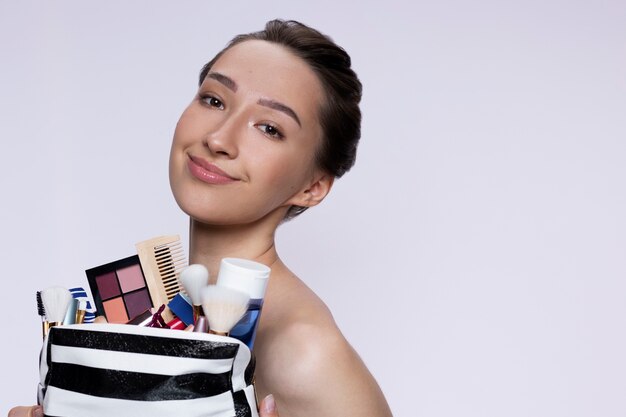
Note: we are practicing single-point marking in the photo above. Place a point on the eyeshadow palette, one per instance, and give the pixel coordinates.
(119, 289)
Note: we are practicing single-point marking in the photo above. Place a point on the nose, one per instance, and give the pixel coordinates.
(222, 139)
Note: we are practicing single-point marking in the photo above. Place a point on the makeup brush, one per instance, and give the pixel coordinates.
(194, 278)
(81, 311)
(223, 307)
(55, 300)
(42, 312)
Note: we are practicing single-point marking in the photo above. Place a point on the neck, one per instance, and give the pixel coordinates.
(208, 243)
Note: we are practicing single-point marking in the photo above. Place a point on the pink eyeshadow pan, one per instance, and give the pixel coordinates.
(131, 278)
(115, 311)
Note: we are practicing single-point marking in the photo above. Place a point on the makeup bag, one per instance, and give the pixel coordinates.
(118, 370)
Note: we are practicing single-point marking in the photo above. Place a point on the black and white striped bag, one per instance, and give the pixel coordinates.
(128, 371)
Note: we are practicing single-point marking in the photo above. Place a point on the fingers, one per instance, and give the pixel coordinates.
(267, 407)
(34, 411)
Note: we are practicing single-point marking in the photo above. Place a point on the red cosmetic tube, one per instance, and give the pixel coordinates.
(176, 324)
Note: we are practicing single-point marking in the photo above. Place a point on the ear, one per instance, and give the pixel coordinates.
(312, 195)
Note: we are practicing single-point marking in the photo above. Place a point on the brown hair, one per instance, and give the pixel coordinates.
(340, 115)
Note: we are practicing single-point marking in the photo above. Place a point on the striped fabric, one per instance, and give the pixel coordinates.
(105, 370)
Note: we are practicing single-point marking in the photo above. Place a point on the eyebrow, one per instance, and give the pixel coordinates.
(227, 81)
(272, 104)
(280, 107)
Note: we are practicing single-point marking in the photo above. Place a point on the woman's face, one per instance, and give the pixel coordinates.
(245, 146)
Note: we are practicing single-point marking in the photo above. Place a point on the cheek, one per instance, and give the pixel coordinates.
(175, 163)
(185, 128)
(280, 176)
(178, 162)
(193, 125)
(282, 168)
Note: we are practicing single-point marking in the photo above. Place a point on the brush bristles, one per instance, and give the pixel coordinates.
(55, 301)
(223, 307)
(194, 278)
(40, 310)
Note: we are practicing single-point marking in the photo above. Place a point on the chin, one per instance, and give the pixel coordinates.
(227, 216)
(222, 210)
(213, 214)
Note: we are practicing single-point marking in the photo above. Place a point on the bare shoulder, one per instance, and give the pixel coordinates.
(309, 366)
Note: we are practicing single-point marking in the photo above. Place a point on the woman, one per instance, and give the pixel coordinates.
(275, 121)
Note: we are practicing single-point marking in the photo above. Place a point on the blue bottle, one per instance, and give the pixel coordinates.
(250, 277)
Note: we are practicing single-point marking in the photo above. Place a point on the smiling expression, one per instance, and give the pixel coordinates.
(245, 146)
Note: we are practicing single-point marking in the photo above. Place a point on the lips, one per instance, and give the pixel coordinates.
(207, 172)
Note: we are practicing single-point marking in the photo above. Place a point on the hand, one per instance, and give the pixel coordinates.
(34, 411)
(267, 408)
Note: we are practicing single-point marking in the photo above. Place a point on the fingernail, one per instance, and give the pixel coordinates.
(269, 405)
(38, 411)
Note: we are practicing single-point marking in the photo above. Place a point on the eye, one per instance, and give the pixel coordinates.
(270, 130)
(212, 101)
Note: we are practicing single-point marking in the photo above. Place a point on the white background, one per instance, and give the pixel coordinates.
(475, 256)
